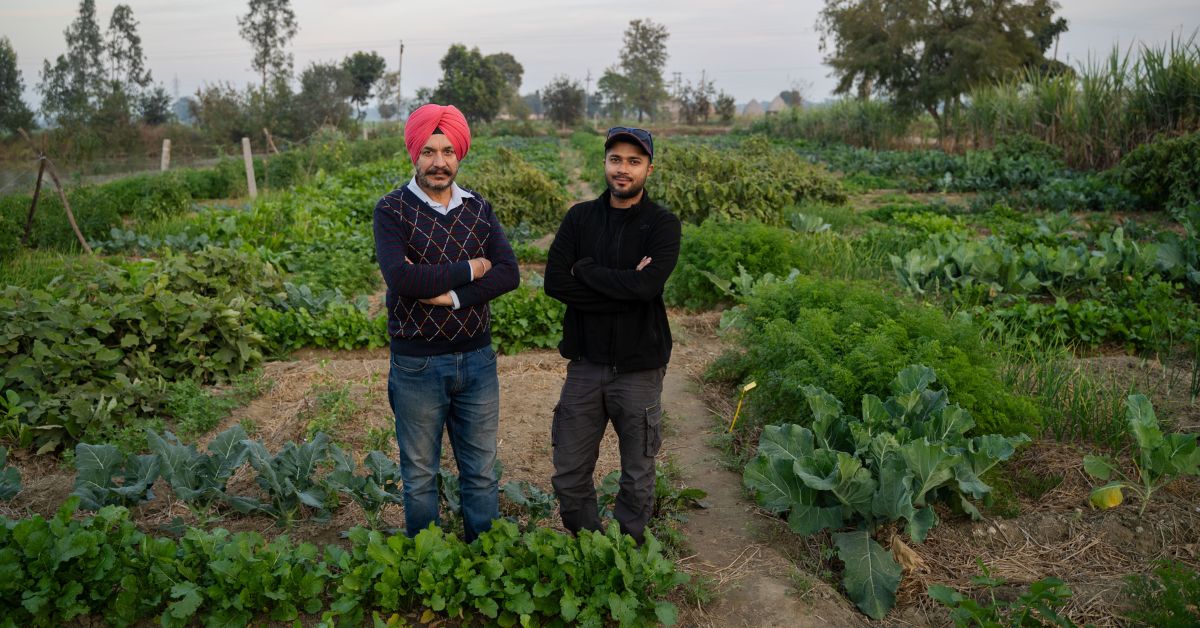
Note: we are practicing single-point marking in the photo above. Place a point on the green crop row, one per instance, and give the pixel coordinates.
(65, 570)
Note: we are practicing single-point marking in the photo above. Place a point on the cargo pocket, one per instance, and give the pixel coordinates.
(554, 426)
(653, 430)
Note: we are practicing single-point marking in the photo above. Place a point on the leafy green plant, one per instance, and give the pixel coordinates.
(1169, 596)
(98, 469)
(381, 485)
(526, 318)
(10, 477)
(66, 570)
(851, 338)
(199, 480)
(1165, 173)
(1158, 459)
(289, 478)
(1039, 605)
(888, 465)
(532, 501)
(698, 182)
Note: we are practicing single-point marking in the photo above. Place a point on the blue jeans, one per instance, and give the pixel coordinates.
(460, 392)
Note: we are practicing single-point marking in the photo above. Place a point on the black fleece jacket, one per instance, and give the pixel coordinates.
(606, 297)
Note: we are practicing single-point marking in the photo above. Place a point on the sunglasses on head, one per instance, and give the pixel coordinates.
(641, 134)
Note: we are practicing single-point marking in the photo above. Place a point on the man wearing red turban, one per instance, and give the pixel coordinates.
(444, 256)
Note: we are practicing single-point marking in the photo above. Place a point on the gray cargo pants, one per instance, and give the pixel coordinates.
(592, 395)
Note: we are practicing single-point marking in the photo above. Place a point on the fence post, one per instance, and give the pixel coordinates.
(166, 155)
(249, 159)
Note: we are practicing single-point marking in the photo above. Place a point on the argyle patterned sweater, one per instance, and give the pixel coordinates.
(439, 249)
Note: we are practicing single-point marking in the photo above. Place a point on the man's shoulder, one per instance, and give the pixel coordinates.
(396, 200)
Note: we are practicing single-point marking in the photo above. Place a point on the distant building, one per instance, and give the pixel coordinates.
(754, 109)
(779, 105)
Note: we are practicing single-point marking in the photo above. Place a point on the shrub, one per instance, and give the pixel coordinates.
(1165, 173)
(750, 181)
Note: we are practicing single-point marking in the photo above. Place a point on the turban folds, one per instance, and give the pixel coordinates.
(422, 122)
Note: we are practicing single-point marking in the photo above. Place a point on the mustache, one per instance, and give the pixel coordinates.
(432, 171)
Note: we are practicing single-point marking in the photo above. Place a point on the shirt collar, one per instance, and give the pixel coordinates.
(457, 195)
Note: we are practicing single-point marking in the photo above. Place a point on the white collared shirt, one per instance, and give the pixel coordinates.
(457, 195)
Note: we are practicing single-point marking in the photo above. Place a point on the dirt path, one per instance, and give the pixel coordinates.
(754, 582)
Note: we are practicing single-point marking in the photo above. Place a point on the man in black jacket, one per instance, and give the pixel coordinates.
(608, 264)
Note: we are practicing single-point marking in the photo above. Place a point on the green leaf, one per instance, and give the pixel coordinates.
(786, 441)
(1099, 467)
(188, 600)
(931, 465)
(872, 574)
(842, 475)
(666, 613)
(775, 484)
(805, 519)
(1143, 423)
(894, 499)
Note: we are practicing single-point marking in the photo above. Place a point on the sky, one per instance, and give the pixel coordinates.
(749, 49)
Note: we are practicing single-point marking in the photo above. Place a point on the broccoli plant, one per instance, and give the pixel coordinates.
(199, 479)
(889, 465)
(289, 478)
(97, 469)
(381, 485)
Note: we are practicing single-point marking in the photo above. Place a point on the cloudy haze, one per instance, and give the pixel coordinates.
(752, 50)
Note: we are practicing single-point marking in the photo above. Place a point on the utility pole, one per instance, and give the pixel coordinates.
(587, 93)
(399, 71)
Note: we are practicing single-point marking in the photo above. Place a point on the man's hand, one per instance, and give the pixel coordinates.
(644, 263)
(442, 299)
(480, 267)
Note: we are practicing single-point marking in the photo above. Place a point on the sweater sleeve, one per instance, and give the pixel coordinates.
(416, 281)
(504, 275)
(561, 285)
(631, 284)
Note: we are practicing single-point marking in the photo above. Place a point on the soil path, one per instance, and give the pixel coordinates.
(753, 581)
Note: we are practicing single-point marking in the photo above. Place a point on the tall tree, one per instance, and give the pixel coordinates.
(643, 57)
(513, 72)
(389, 95)
(325, 93)
(725, 107)
(563, 100)
(471, 83)
(14, 114)
(73, 86)
(154, 106)
(696, 102)
(613, 89)
(364, 69)
(268, 26)
(126, 62)
(925, 54)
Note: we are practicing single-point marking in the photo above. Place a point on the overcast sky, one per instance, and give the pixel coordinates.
(751, 49)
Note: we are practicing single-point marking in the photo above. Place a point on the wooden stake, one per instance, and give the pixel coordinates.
(270, 142)
(37, 192)
(248, 157)
(62, 195)
(166, 155)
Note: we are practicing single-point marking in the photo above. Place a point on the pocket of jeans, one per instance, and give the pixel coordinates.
(489, 355)
(410, 363)
(653, 429)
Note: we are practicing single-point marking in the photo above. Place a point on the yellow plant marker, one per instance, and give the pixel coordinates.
(745, 389)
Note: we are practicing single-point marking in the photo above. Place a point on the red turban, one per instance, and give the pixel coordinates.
(422, 122)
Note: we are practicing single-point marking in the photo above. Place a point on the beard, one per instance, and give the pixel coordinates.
(424, 181)
(635, 188)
